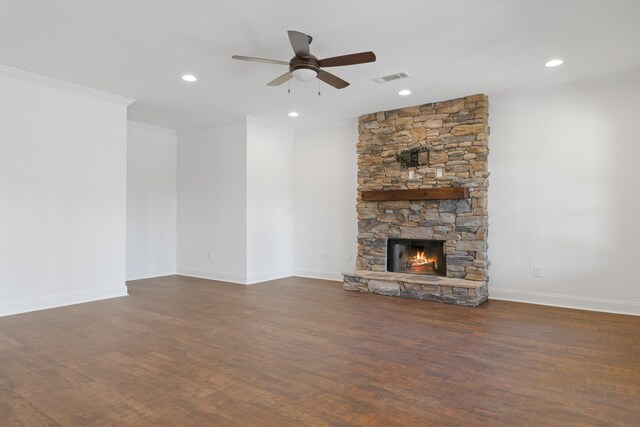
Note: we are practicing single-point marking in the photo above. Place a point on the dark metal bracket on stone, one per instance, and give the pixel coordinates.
(411, 158)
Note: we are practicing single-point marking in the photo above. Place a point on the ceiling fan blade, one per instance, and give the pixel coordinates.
(332, 80)
(253, 59)
(352, 59)
(299, 43)
(283, 78)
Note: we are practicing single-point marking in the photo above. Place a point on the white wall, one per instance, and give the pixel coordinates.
(62, 193)
(564, 196)
(151, 201)
(212, 202)
(269, 201)
(325, 182)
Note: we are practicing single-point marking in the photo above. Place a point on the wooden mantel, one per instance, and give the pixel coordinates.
(416, 194)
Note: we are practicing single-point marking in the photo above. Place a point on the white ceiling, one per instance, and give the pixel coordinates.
(141, 48)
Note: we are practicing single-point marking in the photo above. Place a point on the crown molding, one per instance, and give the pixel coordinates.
(48, 81)
(336, 123)
(266, 123)
(212, 125)
(607, 80)
(152, 128)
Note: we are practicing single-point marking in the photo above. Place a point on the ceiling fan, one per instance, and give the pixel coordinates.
(305, 66)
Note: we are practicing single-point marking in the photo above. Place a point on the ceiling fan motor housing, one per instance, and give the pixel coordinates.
(310, 63)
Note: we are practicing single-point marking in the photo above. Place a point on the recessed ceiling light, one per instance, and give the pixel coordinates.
(189, 78)
(293, 114)
(404, 92)
(553, 63)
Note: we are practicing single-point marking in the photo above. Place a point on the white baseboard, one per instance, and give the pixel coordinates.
(319, 274)
(231, 278)
(26, 305)
(269, 275)
(212, 275)
(566, 301)
(138, 275)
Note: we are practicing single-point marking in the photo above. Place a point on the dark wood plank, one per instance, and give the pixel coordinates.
(17, 411)
(417, 194)
(185, 351)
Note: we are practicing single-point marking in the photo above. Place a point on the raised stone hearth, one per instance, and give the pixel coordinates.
(441, 145)
(431, 288)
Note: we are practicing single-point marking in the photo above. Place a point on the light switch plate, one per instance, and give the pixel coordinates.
(537, 271)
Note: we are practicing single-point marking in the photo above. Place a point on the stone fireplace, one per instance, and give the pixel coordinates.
(422, 202)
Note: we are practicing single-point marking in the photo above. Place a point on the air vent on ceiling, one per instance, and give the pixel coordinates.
(391, 77)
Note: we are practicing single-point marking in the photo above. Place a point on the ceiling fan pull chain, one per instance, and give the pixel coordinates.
(289, 89)
(319, 82)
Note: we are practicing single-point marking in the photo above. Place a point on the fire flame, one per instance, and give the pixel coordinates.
(421, 261)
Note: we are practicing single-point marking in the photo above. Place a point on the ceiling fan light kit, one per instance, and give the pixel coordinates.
(304, 66)
(304, 74)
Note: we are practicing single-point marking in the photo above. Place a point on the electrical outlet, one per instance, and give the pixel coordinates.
(326, 256)
(439, 172)
(537, 271)
(412, 174)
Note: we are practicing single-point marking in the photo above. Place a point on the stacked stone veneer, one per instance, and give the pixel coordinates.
(456, 132)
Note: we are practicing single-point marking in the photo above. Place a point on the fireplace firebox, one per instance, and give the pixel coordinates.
(416, 256)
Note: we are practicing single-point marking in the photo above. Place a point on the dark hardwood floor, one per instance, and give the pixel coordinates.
(303, 352)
